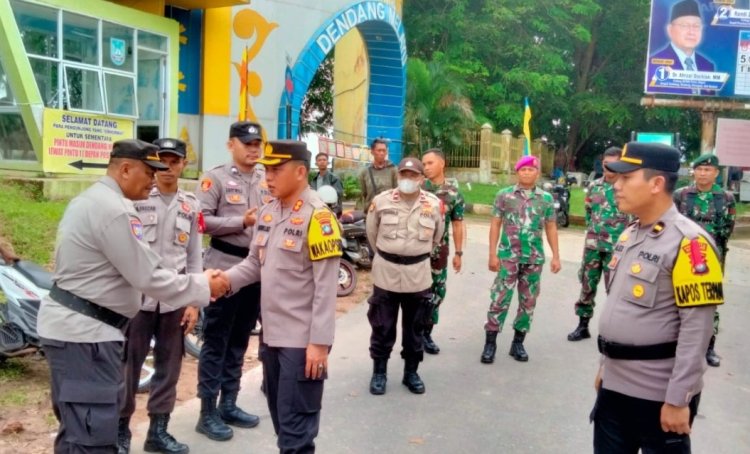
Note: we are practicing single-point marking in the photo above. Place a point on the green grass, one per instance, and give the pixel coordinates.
(11, 369)
(29, 222)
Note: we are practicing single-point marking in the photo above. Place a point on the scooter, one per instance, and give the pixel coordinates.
(561, 195)
(24, 284)
(356, 249)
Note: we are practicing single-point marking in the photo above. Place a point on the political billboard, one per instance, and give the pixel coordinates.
(699, 48)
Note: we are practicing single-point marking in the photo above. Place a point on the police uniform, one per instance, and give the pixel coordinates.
(103, 263)
(295, 256)
(665, 282)
(404, 233)
(225, 194)
(170, 226)
(714, 210)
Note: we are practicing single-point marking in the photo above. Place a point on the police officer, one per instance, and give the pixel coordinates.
(295, 255)
(604, 224)
(433, 161)
(379, 175)
(404, 225)
(523, 211)
(103, 263)
(665, 283)
(170, 225)
(230, 196)
(713, 208)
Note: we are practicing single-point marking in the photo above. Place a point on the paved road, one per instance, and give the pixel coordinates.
(537, 407)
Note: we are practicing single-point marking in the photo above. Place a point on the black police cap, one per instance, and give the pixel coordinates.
(685, 8)
(246, 131)
(278, 152)
(138, 150)
(644, 155)
(173, 146)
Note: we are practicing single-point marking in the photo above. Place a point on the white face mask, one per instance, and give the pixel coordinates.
(408, 186)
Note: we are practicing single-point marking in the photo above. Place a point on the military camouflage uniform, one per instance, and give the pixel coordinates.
(524, 214)
(717, 217)
(604, 224)
(453, 203)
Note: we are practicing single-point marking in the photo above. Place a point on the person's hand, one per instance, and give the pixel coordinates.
(598, 380)
(494, 264)
(218, 282)
(555, 265)
(250, 217)
(189, 319)
(317, 361)
(675, 419)
(456, 263)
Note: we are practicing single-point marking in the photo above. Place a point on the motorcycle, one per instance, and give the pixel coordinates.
(561, 195)
(355, 247)
(24, 284)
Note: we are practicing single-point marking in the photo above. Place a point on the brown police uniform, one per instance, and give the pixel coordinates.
(404, 234)
(103, 263)
(295, 256)
(665, 283)
(225, 194)
(170, 225)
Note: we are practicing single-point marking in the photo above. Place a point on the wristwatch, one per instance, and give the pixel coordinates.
(459, 253)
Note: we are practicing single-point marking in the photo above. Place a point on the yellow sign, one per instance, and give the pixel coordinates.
(697, 276)
(80, 143)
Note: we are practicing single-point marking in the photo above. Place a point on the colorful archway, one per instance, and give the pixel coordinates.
(383, 34)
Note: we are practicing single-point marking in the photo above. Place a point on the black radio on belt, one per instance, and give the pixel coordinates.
(615, 350)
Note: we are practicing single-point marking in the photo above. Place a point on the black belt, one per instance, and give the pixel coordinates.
(229, 248)
(403, 259)
(86, 307)
(645, 352)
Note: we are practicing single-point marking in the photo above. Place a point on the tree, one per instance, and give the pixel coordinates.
(317, 107)
(437, 111)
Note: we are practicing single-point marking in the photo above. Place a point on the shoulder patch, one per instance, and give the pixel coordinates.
(323, 235)
(206, 184)
(697, 277)
(136, 228)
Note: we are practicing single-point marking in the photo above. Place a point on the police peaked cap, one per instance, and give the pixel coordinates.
(645, 155)
(246, 131)
(173, 146)
(278, 152)
(138, 150)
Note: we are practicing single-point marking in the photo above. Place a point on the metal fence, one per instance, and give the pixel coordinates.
(465, 155)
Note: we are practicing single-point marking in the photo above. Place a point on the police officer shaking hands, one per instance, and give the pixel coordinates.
(103, 264)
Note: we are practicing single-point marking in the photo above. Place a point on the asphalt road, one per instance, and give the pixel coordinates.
(537, 407)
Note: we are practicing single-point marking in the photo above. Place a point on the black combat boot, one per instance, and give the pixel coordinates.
(712, 358)
(429, 345)
(210, 424)
(490, 346)
(411, 378)
(123, 436)
(379, 378)
(159, 440)
(516, 348)
(234, 415)
(582, 330)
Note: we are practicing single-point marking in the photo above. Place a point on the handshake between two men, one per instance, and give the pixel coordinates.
(218, 282)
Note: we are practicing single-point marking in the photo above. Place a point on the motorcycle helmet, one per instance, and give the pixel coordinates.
(328, 194)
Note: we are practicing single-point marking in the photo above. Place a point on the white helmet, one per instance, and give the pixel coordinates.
(328, 194)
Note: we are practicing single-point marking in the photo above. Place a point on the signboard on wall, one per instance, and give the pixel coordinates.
(80, 143)
(733, 142)
(699, 48)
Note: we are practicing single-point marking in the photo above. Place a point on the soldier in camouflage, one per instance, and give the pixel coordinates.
(713, 208)
(433, 161)
(522, 211)
(604, 224)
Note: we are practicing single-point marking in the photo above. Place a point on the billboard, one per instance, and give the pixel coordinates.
(699, 48)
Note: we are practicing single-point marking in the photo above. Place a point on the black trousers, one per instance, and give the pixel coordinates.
(87, 390)
(383, 316)
(293, 400)
(226, 330)
(624, 424)
(169, 348)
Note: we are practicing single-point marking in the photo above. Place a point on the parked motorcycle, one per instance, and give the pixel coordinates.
(24, 284)
(356, 249)
(561, 195)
